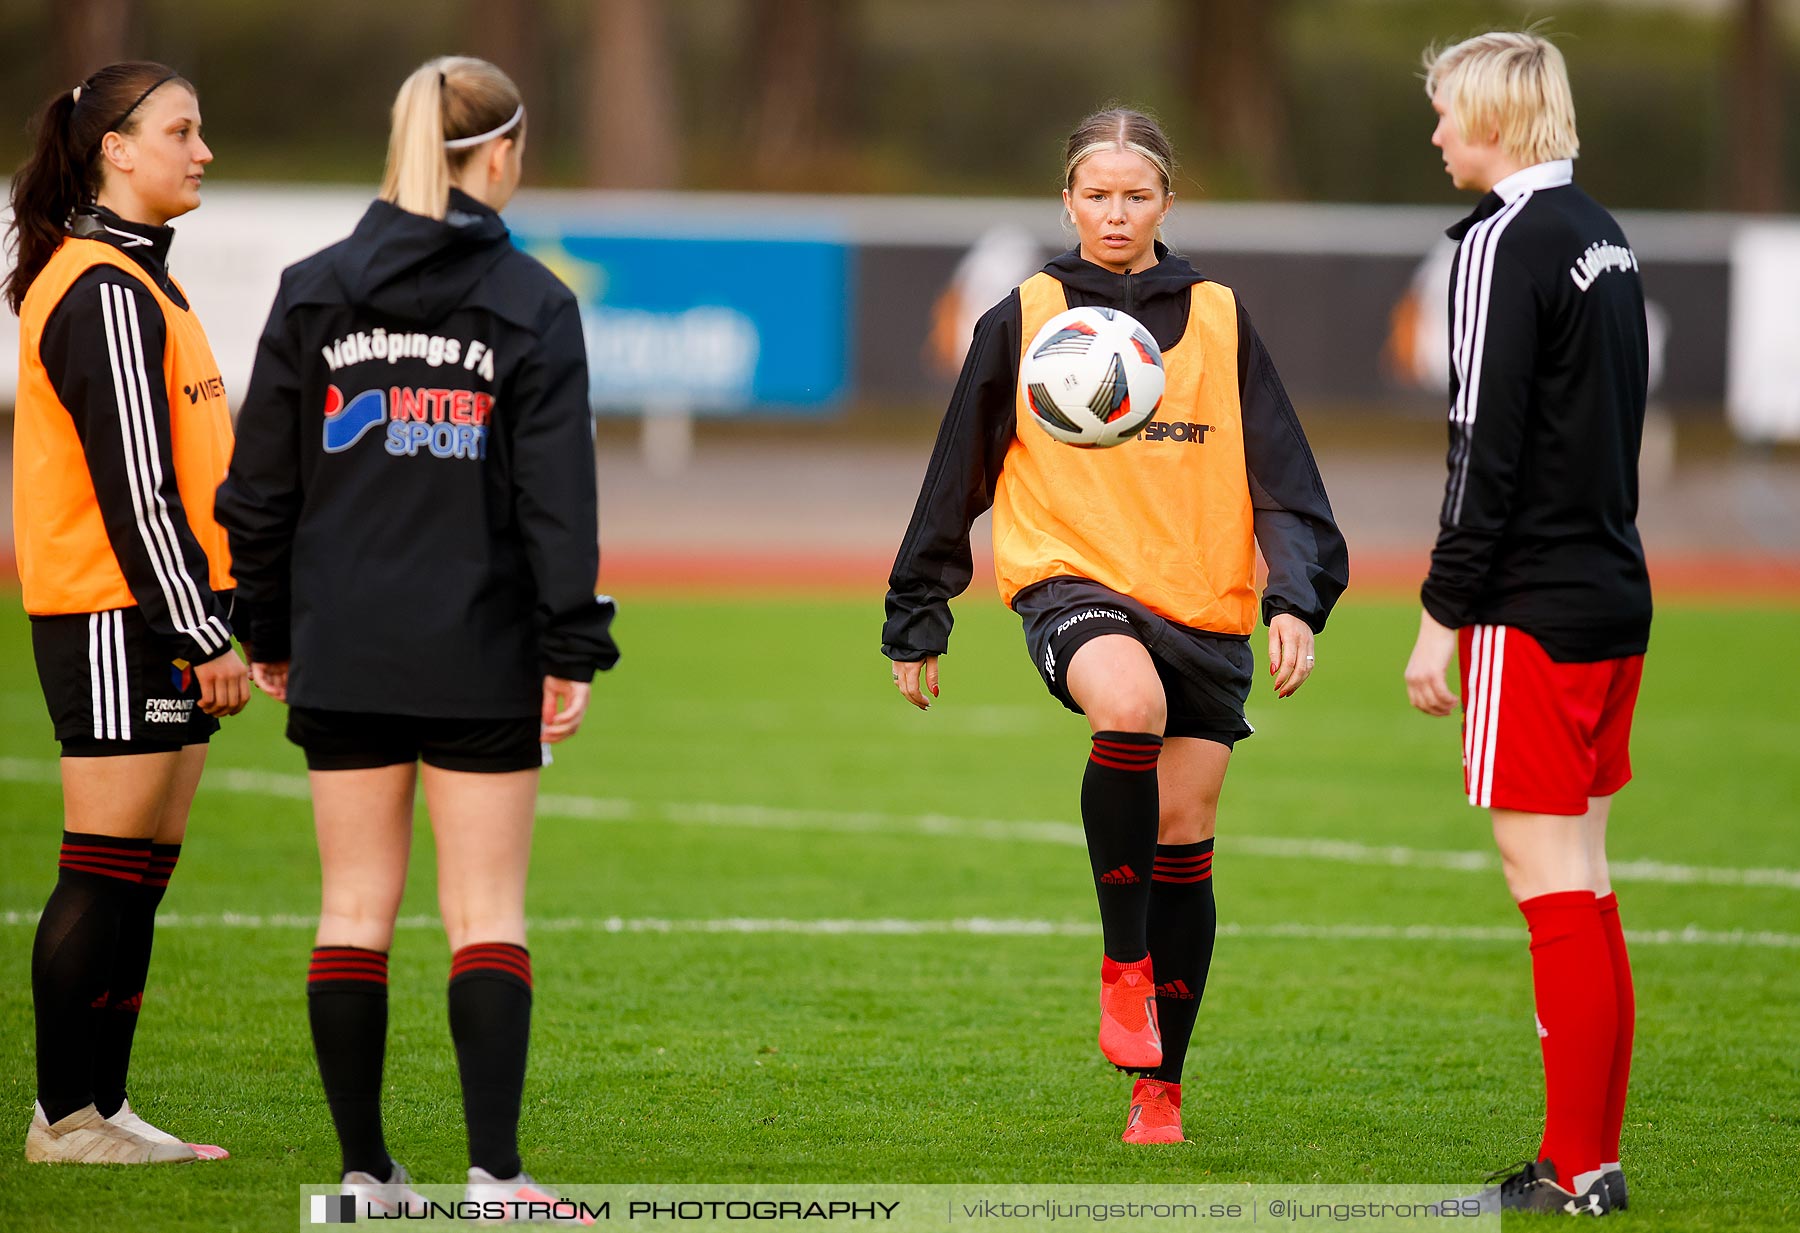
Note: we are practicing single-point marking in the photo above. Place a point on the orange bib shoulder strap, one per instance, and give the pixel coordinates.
(1041, 297)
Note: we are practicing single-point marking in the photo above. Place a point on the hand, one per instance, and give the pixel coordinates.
(271, 679)
(224, 684)
(1431, 654)
(565, 703)
(906, 680)
(1290, 653)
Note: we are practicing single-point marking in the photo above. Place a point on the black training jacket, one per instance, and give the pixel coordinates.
(79, 350)
(1549, 367)
(1309, 564)
(411, 501)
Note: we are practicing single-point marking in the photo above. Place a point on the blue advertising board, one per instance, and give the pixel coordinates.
(708, 325)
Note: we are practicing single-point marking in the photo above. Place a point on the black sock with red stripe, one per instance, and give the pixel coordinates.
(118, 1015)
(490, 1020)
(347, 1003)
(1119, 814)
(1183, 923)
(72, 959)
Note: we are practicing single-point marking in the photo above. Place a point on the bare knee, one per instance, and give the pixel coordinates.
(1113, 679)
(1541, 854)
(1188, 820)
(1593, 828)
(358, 907)
(1128, 709)
(466, 926)
(348, 921)
(1190, 780)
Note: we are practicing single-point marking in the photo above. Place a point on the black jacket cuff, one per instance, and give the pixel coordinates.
(1442, 612)
(569, 670)
(1272, 608)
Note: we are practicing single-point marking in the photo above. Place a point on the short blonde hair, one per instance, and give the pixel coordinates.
(1513, 82)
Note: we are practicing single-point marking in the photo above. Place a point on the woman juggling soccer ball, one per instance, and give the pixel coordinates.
(412, 501)
(1133, 571)
(125, 574)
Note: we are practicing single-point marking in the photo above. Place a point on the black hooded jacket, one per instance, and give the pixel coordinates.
(1309, 564)
(411, 502)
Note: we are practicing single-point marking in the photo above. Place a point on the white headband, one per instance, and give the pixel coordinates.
(463, 143)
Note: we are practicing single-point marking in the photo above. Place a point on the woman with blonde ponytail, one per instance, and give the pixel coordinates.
(124, 572)
(411, 504)
(425, 156)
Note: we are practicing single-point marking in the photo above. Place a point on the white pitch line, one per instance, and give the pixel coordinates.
(854, 822)
(977, 926)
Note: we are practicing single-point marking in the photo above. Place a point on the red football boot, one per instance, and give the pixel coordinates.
(1155, 1113)
(1128, 1033)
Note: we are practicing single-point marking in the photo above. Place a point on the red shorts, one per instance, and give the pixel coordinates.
(1539, 736)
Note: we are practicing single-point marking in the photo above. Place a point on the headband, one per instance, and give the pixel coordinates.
(126, 114)
(463, 143)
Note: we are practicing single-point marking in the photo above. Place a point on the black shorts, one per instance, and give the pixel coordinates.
(357, 741)
(1205, 677)
(116, 686)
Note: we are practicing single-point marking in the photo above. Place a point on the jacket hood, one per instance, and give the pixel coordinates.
(418, 268)
(1171, 275)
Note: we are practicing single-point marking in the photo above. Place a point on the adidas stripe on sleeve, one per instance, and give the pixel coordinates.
(103, 348)
(1493, 351)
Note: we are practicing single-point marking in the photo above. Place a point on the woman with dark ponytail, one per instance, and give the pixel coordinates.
(125, 574)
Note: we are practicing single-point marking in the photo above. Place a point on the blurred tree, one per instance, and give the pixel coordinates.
(1754, 112)
(951, 96)
(1231, 59)
(89, 34)
(514, 35)
(633, 137)
(799, 53)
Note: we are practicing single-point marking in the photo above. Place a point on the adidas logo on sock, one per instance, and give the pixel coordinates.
(1175, 989)
(1122, 876)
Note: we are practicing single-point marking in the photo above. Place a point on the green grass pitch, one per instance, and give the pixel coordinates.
(749, 760)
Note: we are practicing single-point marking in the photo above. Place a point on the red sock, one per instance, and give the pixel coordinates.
(1111, 969)
(1627, 1004)
(1577, 1020)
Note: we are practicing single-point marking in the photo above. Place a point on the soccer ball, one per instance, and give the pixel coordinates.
(1092, 377)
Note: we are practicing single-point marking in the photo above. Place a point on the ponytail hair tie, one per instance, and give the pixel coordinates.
(75, 94)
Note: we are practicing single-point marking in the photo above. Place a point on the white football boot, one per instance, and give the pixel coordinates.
(551, 1208)
(84, 1137)
(378, 1200)
(128, 1120)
